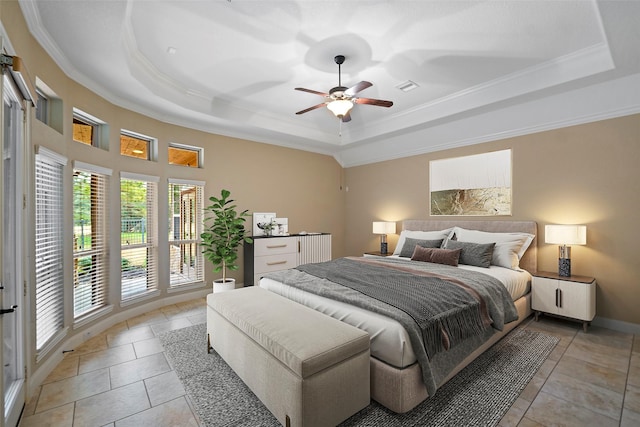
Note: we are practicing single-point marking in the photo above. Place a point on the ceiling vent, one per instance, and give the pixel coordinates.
(407, 86)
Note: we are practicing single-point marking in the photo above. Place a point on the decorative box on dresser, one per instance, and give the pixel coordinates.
(275, 253)
(573, 297)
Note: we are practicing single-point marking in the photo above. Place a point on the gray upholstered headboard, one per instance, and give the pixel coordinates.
(529, 260)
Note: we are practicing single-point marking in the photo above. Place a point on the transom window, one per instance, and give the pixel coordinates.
(88, 129)
(136, 145)
(42, 107)
(185, 155)
(49, 107)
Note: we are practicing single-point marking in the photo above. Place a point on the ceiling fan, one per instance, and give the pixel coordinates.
(340, 99)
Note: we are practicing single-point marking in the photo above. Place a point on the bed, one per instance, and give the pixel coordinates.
(484, 296)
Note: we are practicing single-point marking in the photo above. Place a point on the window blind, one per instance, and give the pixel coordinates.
(186, 262)
(138, 237)
(49, 222)
(90, 239)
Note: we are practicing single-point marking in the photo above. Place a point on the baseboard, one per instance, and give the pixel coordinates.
(617, 325)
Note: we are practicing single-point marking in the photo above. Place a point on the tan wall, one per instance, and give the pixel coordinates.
(302, 186)
(584, 174)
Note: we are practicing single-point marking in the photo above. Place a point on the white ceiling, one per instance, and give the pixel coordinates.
(485, 69)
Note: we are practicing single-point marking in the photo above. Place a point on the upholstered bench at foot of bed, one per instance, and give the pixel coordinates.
(307, 368)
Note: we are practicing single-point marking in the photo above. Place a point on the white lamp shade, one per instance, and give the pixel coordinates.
(384, 227)
(565, 234)
(340, 107)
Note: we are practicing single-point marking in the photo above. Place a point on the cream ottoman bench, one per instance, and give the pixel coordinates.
(306, 367)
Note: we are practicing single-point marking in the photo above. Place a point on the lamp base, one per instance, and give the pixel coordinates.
(564, 267)
(383, 248)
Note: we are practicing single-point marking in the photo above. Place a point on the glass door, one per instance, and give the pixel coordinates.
(11, 250)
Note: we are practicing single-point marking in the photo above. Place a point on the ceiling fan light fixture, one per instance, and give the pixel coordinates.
(340, 107)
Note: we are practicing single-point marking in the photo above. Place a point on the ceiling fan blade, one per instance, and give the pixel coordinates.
(370, 101)
(312, 91)
(357, 88)
(311, 108)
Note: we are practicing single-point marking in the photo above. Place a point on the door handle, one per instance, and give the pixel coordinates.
(560, 298)
(8, 310)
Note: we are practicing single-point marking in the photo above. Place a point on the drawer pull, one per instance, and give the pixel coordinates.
(559, 298)
(276, 262)
(276, 246)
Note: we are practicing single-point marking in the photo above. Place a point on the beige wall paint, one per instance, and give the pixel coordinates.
(584, 174)
(302, 186)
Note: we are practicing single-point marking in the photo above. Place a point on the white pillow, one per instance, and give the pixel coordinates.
(421, 235)
(509, 246)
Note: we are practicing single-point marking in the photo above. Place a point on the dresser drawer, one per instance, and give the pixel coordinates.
(274, 246)
(265, 264)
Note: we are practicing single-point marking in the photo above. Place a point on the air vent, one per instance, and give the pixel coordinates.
(407, 86)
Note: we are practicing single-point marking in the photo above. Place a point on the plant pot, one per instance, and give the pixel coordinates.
(220, 286)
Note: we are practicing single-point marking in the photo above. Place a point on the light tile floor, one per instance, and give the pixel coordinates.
(122, 378)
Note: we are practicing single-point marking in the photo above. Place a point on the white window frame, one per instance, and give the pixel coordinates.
(99, 250)
(49, 250)
(42, 106)
(198, 150)
(186, 246)
(99, 134)
(149, 244)
(152, 147)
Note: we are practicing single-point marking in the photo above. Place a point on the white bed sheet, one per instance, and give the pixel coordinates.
(389, 340)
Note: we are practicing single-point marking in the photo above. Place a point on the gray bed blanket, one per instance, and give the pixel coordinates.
(445, 310)
(481, 299)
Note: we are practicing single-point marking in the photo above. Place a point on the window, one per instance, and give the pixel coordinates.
(185, 155)
(83, 131)
(49, 107)
(185, 216)
(90, 238)
(42, 107)
(137, 145)
(138, 235)
(49, 273)
(90, 130)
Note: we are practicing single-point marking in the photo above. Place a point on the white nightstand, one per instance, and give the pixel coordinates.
(573, 297)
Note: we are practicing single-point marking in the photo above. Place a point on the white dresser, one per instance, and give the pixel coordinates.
(267, 254)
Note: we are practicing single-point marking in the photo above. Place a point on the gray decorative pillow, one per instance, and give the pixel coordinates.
(437, 255)
(410, 244)
(478, 254)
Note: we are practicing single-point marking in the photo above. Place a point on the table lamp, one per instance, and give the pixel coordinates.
(565, 235)
(383, 228)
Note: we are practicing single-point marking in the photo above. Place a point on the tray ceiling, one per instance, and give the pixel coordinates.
(484, 70)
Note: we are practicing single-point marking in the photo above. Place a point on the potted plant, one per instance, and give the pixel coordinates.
(223, 234)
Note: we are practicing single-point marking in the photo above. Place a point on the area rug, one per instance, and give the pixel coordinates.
(480, 395)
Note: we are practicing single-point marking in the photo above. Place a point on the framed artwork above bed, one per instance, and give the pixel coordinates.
(477, 185)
